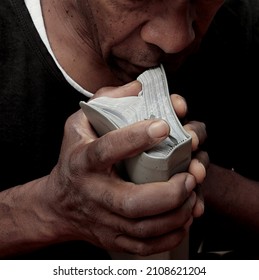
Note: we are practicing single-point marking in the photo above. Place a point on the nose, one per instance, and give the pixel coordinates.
(171, 29)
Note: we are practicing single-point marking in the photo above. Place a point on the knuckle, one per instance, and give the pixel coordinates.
(102, 151)
(142, 249)
(98, 153)
(129, 207)
(140, 230)
(108, 198)
(135, 138)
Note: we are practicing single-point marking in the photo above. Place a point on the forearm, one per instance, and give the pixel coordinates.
(24, 221)
(232, 195)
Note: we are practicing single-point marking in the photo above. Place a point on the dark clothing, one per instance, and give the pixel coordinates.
(220, 84)
(219, 79)
(36, 100)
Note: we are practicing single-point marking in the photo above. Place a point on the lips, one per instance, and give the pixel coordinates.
(133, 69)
(127, 71)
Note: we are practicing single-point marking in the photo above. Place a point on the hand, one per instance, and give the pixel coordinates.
(88, 200)
(197, 130)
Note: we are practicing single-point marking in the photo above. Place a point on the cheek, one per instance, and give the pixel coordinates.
(99, 20)
(116, 33)
(114, 21)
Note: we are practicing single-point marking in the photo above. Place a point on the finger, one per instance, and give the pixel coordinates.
(146, 247)
(156, 225)
(130, 89)
(124, 143)
(145, 200)
(198, 209)
(179, 105)
(188, 224)
(77, 127)
(199, 165)
(198, 132)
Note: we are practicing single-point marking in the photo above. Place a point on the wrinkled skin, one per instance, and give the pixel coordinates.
(102, 45)
(112, 213)
(85, 199)
(120, 39)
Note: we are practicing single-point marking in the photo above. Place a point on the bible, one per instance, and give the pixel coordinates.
(167, 158)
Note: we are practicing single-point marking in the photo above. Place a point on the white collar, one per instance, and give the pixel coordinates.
(34, 8)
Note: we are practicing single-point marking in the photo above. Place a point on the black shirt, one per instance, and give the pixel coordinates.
(220, 83)
(35, 101)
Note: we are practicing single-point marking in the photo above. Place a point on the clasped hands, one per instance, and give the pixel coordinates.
(90, 201)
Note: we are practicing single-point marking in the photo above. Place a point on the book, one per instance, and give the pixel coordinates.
(167, 158)
(159, 163)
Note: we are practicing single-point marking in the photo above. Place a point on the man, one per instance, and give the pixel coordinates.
(69, 202)
(51, 202)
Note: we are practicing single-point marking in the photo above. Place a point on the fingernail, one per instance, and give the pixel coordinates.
(195, 140)
(180, 101)
(202, 207)
(158, 129)
(198, 210)
(190, 183)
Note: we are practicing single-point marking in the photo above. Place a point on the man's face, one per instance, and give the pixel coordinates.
(133, 35)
